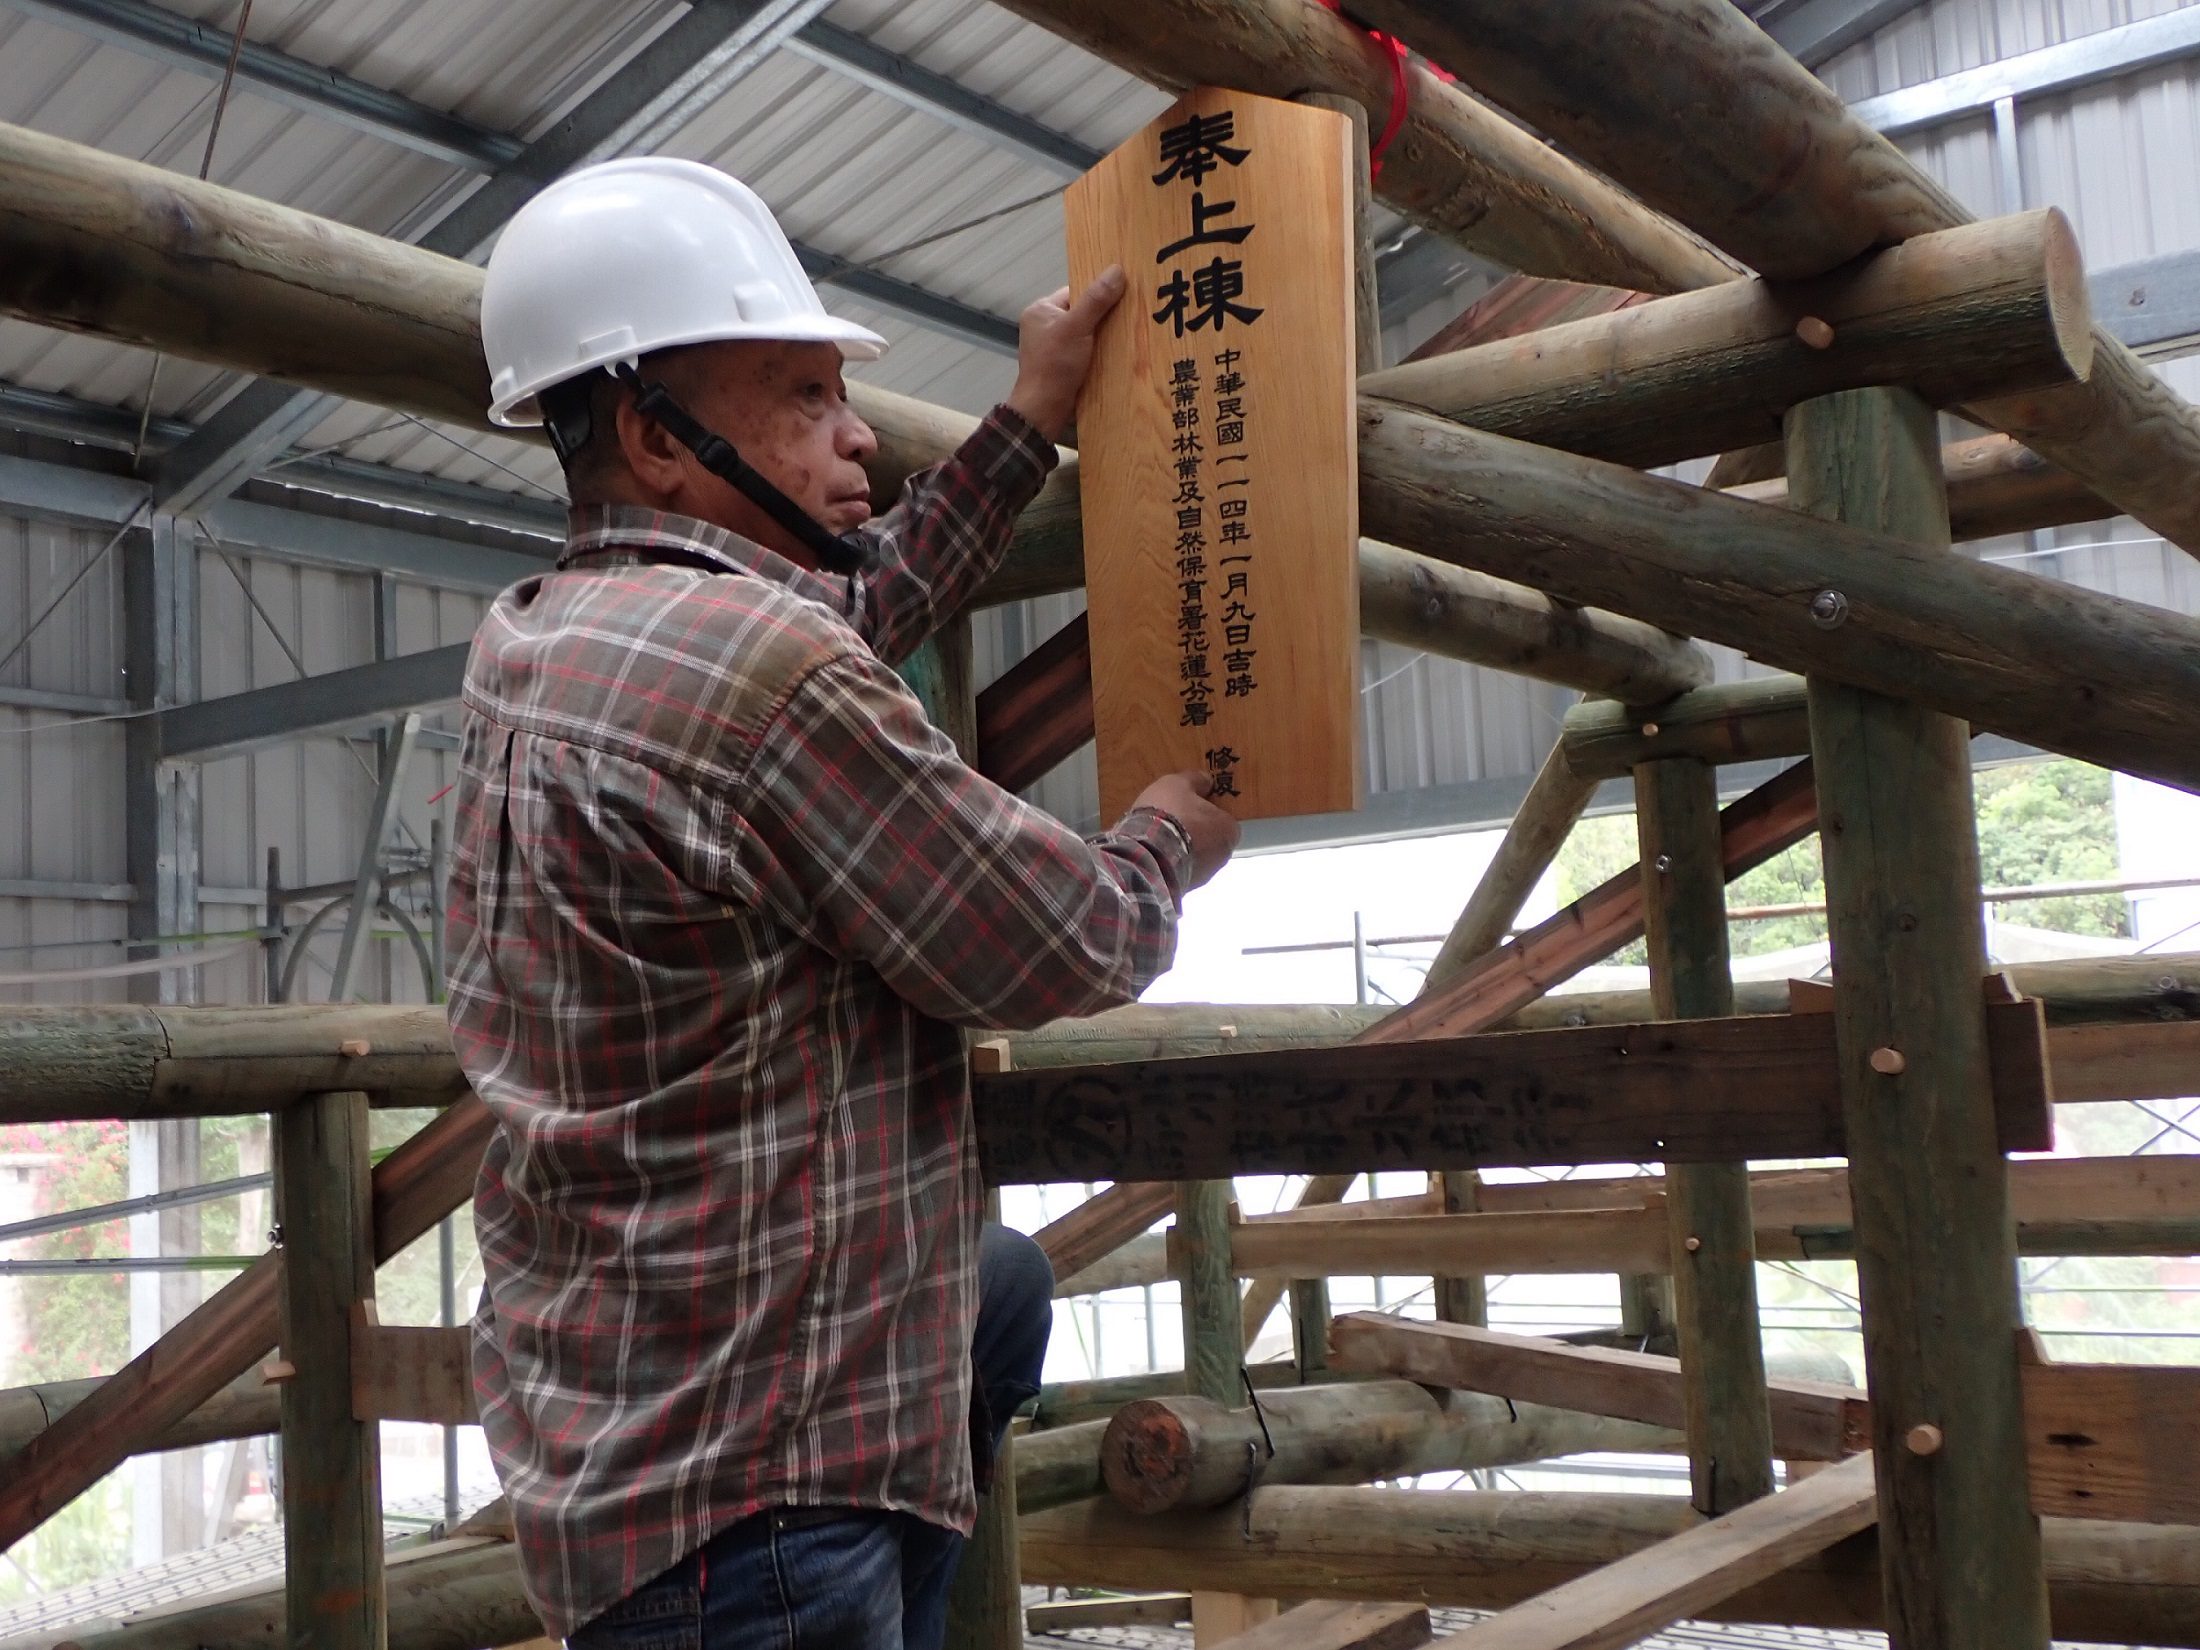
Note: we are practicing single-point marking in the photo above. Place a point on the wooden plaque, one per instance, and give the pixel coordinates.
(1219, 456)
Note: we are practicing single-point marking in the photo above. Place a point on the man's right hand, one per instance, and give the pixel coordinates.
(1183, 797)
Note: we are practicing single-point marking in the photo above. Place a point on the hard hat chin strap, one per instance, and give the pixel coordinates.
(845, 553)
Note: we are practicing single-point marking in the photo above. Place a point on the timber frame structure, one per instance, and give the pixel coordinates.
(1807, 289)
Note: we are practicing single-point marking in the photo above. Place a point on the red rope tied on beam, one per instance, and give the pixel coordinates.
(1401, 92)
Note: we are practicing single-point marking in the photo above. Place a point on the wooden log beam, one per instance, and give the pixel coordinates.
(1694, 1091)
(1320, 1191)
(1163, 1453)
(1214, 1342)
(1811, 1420)
(1036, 714)
(2113, 1441)
(1102, 1224)
(1971, 311)
(1858, 607)
(1327, 1625)
(1633, 1597)
(1902, 885)
(1548, 813)
(1995, 486)
(332, 1458)
(2111, 1583)
(1778, 814)
(1713, 1256)
(419, 1183)
(1774, 168)
(1066, 1615)
(1071, 1403)
(1748, 721)
(1455, 167)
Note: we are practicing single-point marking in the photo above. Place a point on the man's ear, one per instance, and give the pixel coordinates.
(657, 462)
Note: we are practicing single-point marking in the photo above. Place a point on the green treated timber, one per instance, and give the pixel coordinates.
(1936, 1266)
(1707, 1204)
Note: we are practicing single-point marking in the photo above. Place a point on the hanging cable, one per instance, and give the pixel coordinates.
(206, 165)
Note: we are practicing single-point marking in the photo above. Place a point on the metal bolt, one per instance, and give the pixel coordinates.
(275, 1237)
(1664, 862)
(1828, 609)
(2168, 982)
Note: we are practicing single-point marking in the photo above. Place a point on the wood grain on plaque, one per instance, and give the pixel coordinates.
(1224, 598)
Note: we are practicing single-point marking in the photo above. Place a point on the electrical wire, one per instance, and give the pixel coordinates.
(206, 165)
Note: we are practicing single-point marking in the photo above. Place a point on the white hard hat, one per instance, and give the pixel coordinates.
(637, 255)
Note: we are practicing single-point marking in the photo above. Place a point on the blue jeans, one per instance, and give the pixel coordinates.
(850, 1579)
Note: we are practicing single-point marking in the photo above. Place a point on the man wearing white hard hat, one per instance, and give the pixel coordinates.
(721, 900)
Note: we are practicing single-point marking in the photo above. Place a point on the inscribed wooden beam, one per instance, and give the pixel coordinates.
(332, 1460)
(1811, 1420)
(1633, 1597)
(1936, 1269)
(1778, 814)
(1776, 169)
(2125, 1584)
(1693, 1091)
(1712, 1255)
(1753, 578)
(419, 1183)
(1163, 1453)
(1969, 311)
(1217, 423)
(1329, 1625)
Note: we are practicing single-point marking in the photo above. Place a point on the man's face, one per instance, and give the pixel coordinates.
(785, 408)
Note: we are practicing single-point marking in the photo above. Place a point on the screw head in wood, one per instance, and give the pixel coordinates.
(355, 1048)
(1923, 1439)
(1829, 609)
(1664, 862)
(1815, 332)
(1888, 1062)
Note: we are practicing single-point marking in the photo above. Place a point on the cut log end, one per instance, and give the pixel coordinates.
(1147, 1455)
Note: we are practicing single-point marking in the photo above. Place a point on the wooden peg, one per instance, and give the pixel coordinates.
(1816, 333)
(1692, 1244)
(1888, 1062)
(990, 1057)
(278, 1370)
(1923, 1439)
(355, 1048)
(1649, 730)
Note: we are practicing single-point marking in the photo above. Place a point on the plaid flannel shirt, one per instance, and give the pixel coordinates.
(720, 897)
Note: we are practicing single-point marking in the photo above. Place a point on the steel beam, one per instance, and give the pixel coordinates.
(66, 418)
(2084, 61)
(1814, 30)
(366, 888)
(942, 97)
(334, 700)
(94, 498)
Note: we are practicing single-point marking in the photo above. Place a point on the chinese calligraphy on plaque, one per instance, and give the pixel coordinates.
(1216, 440)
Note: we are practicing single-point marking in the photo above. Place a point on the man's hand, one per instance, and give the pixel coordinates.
(1054, 351)
(1214, 834)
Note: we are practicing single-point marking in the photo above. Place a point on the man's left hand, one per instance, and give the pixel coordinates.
(1054, 351)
